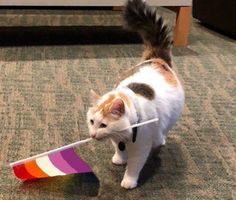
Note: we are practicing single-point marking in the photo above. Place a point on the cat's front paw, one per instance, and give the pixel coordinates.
(128, 183)
(118, 160)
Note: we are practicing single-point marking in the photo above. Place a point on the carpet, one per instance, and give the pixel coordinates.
(44, 96)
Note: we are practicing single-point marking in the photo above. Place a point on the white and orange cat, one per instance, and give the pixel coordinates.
(149, 90)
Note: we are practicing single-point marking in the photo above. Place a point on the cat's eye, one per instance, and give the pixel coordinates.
(103, 125)
(91, 121)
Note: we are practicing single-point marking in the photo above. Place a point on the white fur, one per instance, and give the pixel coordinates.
(167, 106)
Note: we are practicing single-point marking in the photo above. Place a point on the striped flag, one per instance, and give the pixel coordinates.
(58, 162)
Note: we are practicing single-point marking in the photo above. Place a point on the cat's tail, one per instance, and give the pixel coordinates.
(140, 17)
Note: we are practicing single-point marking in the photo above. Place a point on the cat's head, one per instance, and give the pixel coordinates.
(107, 116)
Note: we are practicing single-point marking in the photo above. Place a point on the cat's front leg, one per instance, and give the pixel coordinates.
(120, 156)
(138, 153)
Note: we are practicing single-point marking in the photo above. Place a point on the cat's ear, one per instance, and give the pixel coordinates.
(118, 108)
(94, 97)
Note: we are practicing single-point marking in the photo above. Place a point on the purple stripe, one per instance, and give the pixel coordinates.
(59, 162)
(75, 161)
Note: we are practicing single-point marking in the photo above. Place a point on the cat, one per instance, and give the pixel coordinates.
(149, 90)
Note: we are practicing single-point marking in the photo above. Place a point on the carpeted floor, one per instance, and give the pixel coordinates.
(44, 98)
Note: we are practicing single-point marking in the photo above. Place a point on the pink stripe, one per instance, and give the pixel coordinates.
(75, 161)
(59, 162)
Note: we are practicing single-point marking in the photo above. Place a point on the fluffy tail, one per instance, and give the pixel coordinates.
(140, 17)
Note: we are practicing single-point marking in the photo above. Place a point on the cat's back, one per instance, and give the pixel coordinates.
(158, 90)
(154, 73)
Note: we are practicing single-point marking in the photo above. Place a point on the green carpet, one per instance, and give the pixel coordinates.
(44, 98)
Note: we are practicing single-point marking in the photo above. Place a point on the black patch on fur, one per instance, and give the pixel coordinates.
(142, 89)
(140, 17)
(121, 146)
(135, 131)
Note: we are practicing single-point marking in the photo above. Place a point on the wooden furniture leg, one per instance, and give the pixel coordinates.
(182, 25)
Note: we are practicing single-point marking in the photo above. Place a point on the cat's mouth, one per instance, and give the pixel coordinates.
(100, 138)
(118, 136)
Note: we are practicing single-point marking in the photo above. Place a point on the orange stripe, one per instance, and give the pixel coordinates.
(34, 170)
(21, 173)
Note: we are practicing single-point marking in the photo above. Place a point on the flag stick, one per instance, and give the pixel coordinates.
(74, 144)
(51, 151)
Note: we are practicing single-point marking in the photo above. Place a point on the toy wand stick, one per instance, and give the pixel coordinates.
(74, 144)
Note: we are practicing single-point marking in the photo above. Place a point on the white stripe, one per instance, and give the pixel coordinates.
(46, 165)
(50, 152)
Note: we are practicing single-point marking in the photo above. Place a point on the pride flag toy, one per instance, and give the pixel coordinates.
(58, 162)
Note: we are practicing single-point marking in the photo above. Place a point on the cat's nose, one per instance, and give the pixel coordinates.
(93, 135)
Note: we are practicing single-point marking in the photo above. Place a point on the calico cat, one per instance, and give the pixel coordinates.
(149, 90)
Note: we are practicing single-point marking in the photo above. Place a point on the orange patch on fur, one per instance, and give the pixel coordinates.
(105, 106)
(149, 53)
(165, 70)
